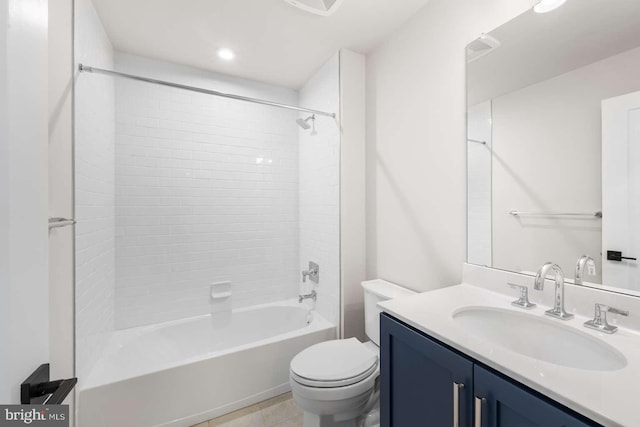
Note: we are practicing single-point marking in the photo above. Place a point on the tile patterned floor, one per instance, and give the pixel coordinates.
(280, 411)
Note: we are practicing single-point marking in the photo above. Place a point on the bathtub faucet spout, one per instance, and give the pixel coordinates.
(312, 296)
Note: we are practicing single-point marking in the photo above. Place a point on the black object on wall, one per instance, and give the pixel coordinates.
(38, 389)
(617, 256)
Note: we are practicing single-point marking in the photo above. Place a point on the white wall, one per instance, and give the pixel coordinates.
(94, 190)
(24, 299)
(6, 391)
(547, 158)
(352, 190)
(206, 191)
(320, 189)
(416, 142)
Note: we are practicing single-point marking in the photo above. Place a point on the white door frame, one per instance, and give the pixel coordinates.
(61, 194)
(24, 291)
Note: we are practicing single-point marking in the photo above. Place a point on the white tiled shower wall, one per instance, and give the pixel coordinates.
(94, 191)
(320, 189)
(206, 191)
(479, 249)
(196, 189)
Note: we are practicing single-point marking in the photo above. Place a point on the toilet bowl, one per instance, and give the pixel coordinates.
(336, 383)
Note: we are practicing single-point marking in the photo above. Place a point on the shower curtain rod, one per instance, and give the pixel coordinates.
(88, 69)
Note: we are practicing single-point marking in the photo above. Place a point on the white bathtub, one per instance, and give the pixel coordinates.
(187, 371)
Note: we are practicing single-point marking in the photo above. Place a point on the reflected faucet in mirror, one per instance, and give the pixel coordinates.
(558, 310)
(584, 261)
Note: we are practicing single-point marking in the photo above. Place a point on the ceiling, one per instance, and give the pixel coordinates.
(536, 47)
(274, 42)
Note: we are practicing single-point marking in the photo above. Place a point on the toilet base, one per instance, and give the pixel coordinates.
(372, 419)
(345, 412)
(314, 420)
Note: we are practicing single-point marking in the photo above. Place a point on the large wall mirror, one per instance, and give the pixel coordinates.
(553, 150)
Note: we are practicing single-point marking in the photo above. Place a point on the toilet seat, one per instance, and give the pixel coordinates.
(330, 384)
(336, 363)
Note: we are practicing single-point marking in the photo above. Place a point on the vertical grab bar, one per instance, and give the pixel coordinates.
(478, 412)
(456, 403)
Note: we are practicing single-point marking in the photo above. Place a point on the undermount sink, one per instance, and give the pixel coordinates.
(539, 338)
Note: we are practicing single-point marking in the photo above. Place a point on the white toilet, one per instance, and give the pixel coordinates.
(336, 382)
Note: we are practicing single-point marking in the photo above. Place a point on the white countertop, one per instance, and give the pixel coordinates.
(607, 397)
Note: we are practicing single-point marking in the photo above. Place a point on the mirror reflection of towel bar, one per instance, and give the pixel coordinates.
(591, 215)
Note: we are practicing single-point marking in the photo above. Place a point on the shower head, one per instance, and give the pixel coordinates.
(304, 123)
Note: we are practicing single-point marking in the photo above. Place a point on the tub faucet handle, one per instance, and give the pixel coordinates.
(313, 273)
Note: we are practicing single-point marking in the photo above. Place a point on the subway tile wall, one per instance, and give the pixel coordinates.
(206, 190)
(94, 192)
(320, 189)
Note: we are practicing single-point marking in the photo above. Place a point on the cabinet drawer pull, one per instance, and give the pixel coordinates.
(456, 403)
(478, 411)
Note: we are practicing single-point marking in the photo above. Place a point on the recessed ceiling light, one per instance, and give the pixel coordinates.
(226, 54)
(545, 6)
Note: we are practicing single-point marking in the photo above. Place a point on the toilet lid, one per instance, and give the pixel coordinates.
(334, 363)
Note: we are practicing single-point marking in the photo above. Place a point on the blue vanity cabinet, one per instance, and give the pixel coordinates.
(503, 403)
(419, 378)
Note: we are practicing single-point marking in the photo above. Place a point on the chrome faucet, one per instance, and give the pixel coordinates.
(312, 296)
(583, 261)
(558, 309)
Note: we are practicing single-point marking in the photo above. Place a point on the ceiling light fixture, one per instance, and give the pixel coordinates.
(544, 6)
(226, 54)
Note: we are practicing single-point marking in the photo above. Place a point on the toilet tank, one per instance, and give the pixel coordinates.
(376, 291)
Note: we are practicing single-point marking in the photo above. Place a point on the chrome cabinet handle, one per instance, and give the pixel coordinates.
(478, 411)
(456, 403)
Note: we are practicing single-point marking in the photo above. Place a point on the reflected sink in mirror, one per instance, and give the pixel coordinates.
(540, 338)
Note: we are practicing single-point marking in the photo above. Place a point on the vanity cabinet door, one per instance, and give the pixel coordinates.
(419, 379)
(505, 404)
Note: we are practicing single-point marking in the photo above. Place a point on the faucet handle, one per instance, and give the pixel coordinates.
(313, 273)
(618, 311)
(599, 321)
(523, 301)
